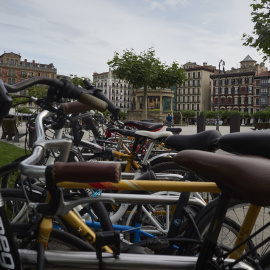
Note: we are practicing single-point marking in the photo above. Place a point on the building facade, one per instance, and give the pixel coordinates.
(261, 97)
(13, 70)
(234, 89)
(120, 92)
(194, 94)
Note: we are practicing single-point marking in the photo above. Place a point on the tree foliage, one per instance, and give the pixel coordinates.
(262, 114)
(145, 71)
(260, 37)
(79, 80)
(188, 114)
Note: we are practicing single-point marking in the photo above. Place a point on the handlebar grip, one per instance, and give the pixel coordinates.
(84, 172)
(74, 107)
(111, 106)
(93, 102)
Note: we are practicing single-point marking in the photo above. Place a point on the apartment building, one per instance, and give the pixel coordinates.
(261, 97)
(194, 94)
(234, 89)
(13, 70)
(120, 92)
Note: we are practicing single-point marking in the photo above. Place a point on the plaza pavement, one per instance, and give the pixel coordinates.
(186, 130)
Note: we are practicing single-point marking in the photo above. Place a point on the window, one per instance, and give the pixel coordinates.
(243, 80)
(229, 100)
(7, 61)
(250, 89)
(235, 100)
(223, 91)
(236, 90)
(198, 83)
(230, 81)
(223, 82)
(199, 75)
(216, 90)
(257, 92)
(257, 101)
(250, 80)
(229, 90)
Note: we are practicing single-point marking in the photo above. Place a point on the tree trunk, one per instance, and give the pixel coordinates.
(145, 103)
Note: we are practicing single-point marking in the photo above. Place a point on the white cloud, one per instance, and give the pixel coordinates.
(80, 37)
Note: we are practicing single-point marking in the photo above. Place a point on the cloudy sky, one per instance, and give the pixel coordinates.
(80, 36)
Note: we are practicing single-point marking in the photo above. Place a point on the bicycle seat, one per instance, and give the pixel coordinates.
(125, 132)
(206, 140)
(153, 135)
(246, 176)
(174, 130)
(247, 143)
(144, 125)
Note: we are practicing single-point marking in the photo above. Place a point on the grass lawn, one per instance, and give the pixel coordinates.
(9, 153)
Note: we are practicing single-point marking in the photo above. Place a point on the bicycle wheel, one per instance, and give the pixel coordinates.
(156, 218)
(17, 211)
(9, 175)
(59, 240)
(234, 218)
(11, 178)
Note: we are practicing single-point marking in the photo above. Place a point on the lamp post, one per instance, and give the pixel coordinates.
(223, 64)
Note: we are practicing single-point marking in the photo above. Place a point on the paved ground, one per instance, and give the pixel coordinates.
(186, 130)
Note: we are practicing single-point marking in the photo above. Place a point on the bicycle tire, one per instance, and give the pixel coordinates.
(233, 220)
(9, 174)
(59, 240)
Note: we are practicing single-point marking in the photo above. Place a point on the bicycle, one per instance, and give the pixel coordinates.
(40, 173)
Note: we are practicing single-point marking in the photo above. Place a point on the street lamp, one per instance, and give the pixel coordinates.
(223, 64)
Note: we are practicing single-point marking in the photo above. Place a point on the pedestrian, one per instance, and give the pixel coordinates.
(169, 120)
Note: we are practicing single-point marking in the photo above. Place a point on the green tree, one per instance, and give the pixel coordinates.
(262, 114)
(37, 91)
(24, 110)
(79, 80)
(209, 114)
(145, 71)
(187, 114)
(260, 37)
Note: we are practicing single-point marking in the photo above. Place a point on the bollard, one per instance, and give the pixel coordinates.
(235, 123)
(201, 123)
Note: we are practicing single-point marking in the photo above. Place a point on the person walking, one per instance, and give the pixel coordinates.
(169, 120)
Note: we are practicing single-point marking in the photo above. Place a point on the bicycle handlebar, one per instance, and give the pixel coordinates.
(98, 93)
(84, 172)
(60, 89)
